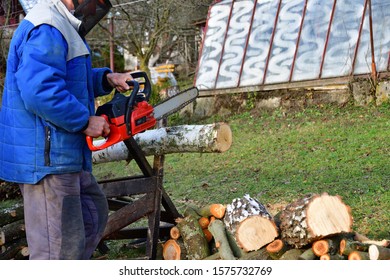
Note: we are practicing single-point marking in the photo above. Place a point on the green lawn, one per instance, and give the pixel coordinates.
(278, 157)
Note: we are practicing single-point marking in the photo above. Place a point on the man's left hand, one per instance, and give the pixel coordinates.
(118, 81)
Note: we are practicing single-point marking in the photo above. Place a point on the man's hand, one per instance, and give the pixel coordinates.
(118, 81)
(97, 126)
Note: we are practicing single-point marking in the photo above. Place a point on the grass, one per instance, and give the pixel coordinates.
(279, 156)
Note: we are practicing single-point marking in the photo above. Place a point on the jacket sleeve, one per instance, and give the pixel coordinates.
(101, 85)
(41, 78)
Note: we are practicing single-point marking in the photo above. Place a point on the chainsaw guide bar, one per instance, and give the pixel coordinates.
(175, 103)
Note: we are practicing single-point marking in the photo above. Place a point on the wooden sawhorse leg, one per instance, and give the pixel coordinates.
(150, 186)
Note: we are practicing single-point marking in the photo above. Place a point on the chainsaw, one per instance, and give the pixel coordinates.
(130, 114)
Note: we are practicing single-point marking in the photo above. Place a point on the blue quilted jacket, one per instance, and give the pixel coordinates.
(47, 100)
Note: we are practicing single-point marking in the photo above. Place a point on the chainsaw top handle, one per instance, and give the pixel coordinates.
(144, 83)
(130, 103)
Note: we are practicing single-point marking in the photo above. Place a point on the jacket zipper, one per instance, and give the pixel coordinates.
(47, 145)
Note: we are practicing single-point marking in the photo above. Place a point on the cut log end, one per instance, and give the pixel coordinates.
(224, 138)
(171, 250)
(373, 252)
(328, 215)
(275, 246)
(325, 257)
(320, 247)
(357, 255)
(204, 222)
(378, 253)
(174, 233)
(255, 232)
(348, 246)
(217, 210)
(314, 217)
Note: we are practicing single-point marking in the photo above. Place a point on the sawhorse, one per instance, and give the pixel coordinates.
(150, 187)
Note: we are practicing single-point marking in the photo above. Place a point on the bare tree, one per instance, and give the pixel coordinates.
(154, 31)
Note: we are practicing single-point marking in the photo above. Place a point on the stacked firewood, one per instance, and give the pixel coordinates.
(315, 227)
(13, 243)
(9, 191)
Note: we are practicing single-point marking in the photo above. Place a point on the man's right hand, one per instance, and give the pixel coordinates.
(97, 126)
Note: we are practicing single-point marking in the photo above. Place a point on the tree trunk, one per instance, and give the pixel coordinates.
(261, 254)
(308, 255)
(348, 246)
(193, 238)
(378, 253)
(211, 138)
(12, 232)
(293, 254)
(11, 249)
(326, 246)
(250, 223)
(314, 217)
(364, 239)
(218, 231)
(11, 214)
(213, 210)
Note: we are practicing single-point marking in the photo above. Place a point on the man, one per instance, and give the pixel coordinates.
(47, 111)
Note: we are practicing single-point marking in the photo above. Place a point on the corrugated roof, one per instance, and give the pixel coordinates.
(252, 43)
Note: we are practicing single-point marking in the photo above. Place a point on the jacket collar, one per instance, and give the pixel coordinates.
(63, 10)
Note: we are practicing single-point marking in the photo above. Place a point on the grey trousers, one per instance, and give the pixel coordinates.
(65, 216)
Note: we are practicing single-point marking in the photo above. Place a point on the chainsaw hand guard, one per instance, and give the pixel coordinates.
(117, 134)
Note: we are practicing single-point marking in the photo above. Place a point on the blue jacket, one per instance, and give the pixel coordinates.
(47, 100)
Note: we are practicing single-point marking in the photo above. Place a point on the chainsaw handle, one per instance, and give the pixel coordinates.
(122, 114)
(131, 103)
(133, 94)
(115, 135)
(110, 140)
(147, 87)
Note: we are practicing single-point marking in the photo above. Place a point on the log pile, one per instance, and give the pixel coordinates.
(315, 227)
(210, 138)
(13, 243)
(9, 191)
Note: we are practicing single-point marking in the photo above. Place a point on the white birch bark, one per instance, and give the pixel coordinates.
(209, 138)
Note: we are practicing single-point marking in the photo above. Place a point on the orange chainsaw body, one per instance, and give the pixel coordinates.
(126, 115)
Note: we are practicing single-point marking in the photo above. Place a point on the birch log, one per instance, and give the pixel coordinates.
(210, 138)
(314, 217)
(250, 223)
